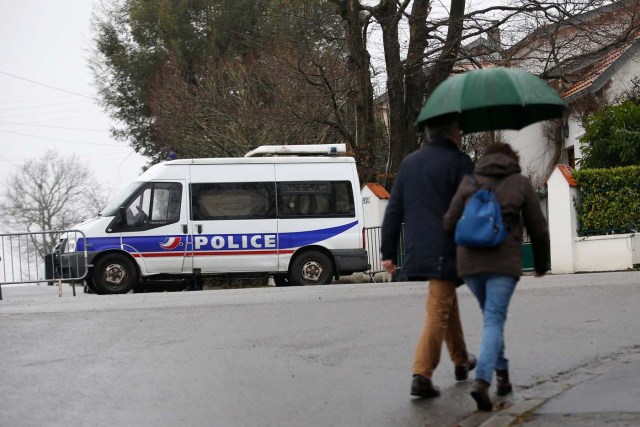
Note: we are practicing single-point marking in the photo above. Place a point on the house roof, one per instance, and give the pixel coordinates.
(481, 42)
(580, 19)
(599, 72)
(483, 52)
(378, 190)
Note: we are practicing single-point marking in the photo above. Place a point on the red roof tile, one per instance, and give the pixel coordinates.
(378, 190)
(566, 172)
(595, 71)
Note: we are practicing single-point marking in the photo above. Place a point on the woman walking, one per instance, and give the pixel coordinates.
(492, 273)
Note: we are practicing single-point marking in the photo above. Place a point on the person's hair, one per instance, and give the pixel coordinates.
(498, 147)
(444, 126)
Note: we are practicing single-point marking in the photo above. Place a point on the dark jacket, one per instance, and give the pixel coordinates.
(520, 206)
(426, 182)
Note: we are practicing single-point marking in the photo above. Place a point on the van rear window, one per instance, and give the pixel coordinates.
(315, 199)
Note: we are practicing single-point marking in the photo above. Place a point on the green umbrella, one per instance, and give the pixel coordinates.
(492, 99)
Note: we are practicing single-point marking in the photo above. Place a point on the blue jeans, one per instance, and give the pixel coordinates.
(493, 292)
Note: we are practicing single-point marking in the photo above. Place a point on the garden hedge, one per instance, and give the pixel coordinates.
(609, 201)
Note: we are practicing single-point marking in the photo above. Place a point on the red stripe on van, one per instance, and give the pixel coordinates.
(208, 253)
(213, 253)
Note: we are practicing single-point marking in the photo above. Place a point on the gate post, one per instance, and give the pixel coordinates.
(563, 223)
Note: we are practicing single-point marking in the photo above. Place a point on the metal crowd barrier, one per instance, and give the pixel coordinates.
(42, 256)
(373, 238)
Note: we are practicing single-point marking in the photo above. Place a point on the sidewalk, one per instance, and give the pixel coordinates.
(605, 392)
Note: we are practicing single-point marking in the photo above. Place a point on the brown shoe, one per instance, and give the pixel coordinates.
(423, 387)
(480, 393)
(503, 386)
(462, 372)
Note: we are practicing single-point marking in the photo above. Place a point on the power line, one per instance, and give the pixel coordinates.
(60, 119)
(45, 85)
(53, 127)
(56, 139)
(23, 101)
(41, 113)
(29, 107)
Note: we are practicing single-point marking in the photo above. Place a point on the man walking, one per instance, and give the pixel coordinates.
(426, 182)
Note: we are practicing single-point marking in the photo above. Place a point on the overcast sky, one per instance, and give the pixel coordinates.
(47, 97)
(46, 43)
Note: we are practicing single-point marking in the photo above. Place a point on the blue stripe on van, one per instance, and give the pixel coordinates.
(98, 244)
(304, 238)
(175, 244)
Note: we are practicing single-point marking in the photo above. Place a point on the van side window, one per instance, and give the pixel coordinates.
(157, 204)
(305, 199)
(233, 200)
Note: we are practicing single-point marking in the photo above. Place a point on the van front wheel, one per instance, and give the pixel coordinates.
(311, 268)
(115, 274)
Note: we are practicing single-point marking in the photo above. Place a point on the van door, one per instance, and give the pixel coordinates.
(155, 228)
(316, 206)
(233, 218)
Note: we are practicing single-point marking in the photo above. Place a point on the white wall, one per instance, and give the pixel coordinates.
(621, 80)
(604, 253)
(534, 150)
(575, 133)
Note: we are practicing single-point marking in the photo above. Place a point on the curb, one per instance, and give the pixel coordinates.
(534, 397)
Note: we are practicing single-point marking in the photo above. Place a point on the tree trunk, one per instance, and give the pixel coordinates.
(415, 77)
(407, 83)
(359, 62)
(387, 15)
(444, 64)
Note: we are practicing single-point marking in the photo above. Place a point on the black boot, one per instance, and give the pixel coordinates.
(462, 372)
(423, 387)
(480, 393)
(503, 385)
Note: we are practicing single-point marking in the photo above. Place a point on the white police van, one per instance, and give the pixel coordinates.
(293, 212)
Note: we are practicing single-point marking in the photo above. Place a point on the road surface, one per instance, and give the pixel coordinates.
(337, 355)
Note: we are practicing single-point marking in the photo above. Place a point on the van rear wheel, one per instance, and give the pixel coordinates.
(115, 274)
(311, 268)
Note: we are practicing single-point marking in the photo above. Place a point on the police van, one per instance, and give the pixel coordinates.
(293, 212)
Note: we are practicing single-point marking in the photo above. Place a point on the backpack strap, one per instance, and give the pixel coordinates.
(494, 185)
(473, 180)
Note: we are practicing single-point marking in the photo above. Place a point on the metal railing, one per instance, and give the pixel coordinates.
(42, 256)
(373, 238)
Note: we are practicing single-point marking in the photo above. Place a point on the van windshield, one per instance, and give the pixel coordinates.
(120, 200)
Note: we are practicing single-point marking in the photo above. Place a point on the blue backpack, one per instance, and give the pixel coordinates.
(481, 225)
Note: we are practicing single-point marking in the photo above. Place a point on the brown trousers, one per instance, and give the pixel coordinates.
(442, 323)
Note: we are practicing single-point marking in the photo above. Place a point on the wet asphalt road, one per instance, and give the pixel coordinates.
(336, 355)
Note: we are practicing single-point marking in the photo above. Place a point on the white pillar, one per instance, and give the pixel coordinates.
(562, 219)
